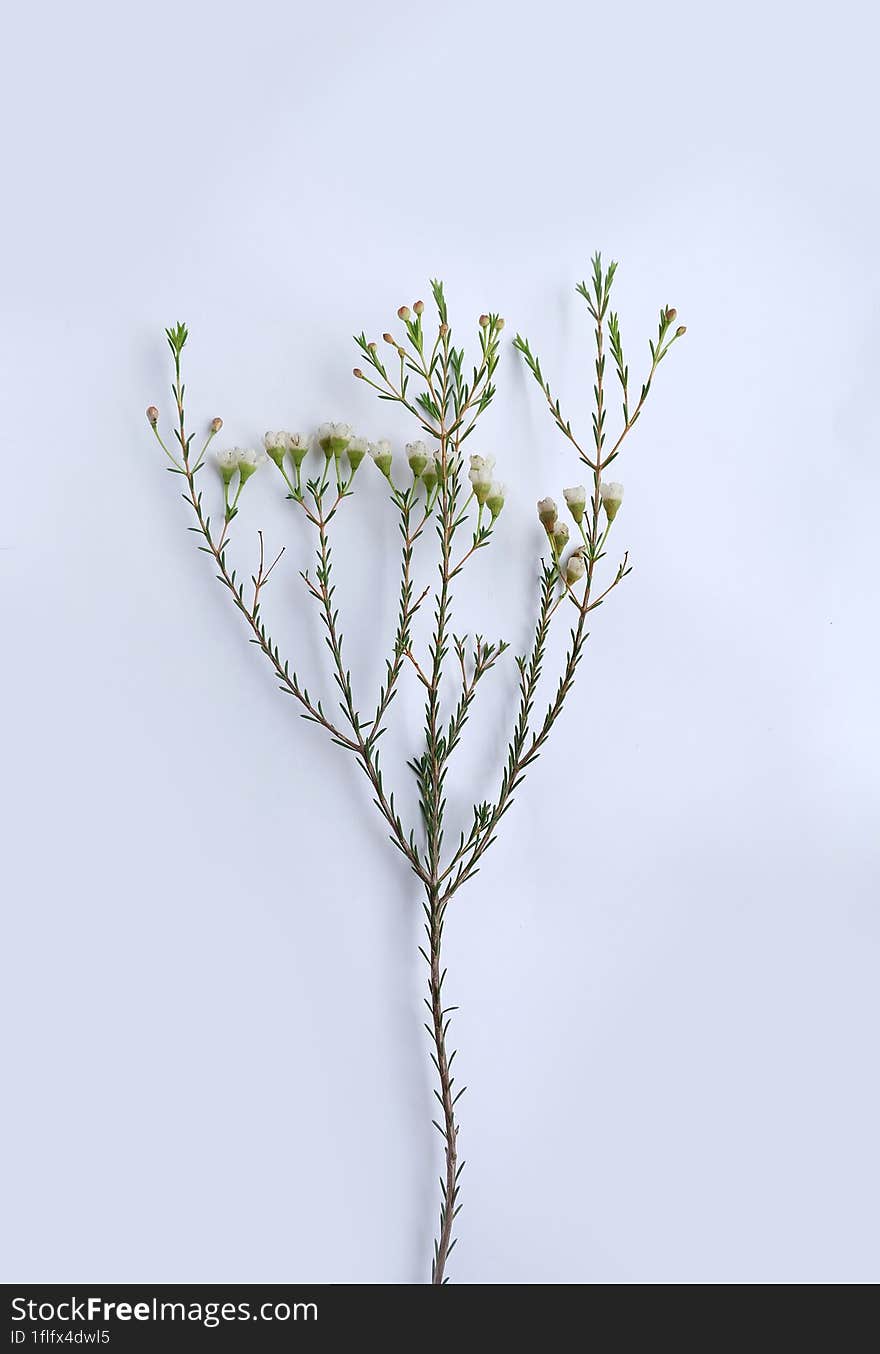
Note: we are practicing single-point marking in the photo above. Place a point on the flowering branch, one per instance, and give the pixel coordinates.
(431, 380)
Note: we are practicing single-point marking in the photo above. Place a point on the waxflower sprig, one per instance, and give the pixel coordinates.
(434, 480)
(606, 496)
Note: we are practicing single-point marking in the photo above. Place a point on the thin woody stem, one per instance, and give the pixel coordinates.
(408, 609)
(367, 755)
(439, 1029)
(289, 681)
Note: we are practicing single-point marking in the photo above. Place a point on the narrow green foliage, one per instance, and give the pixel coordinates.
(422, 370)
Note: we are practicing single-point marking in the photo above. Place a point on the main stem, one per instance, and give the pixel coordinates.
(449, 1129)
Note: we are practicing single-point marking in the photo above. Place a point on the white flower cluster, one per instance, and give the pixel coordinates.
(239, 459)
(279, 444)
(338, 439)
(333, 438)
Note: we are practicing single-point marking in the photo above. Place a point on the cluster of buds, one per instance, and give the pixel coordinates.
(213, 429)
(488, 491)
(611, 495)
(572, 571)
(557, 531)
(610, 492)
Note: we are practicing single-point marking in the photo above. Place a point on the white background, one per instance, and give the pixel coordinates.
(667, 967)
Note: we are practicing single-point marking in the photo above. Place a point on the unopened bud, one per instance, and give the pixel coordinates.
(216, 425)
(495, 501)
(547, 514)
(444, 330)
(358, 373)
(389, 338)
(152, 415)
(671, 314)
(499, 323)
(681, 331)
(381, 453)
(403, 313)
(575, 568)
(484, 320)
(418, 307)
(372, 345)
(559, 537)
(431, 474)
(612, 497)
(576, 499)
(480, 476)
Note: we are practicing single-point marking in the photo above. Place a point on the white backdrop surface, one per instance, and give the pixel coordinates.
(667, 967)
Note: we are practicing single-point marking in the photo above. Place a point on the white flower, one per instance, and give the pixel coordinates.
(495, 499)
(612, 497)
(333, 438)
(381, 453)
(559, 536)
(299, 447)
(227, 463)
(481, 468)
(547, 513)
(575, 567)
(432, 472)
(276, 445)
(356, 451)
(276, 441)
(480, 476)
(248, 462)
(576, 498)
(417, 455)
